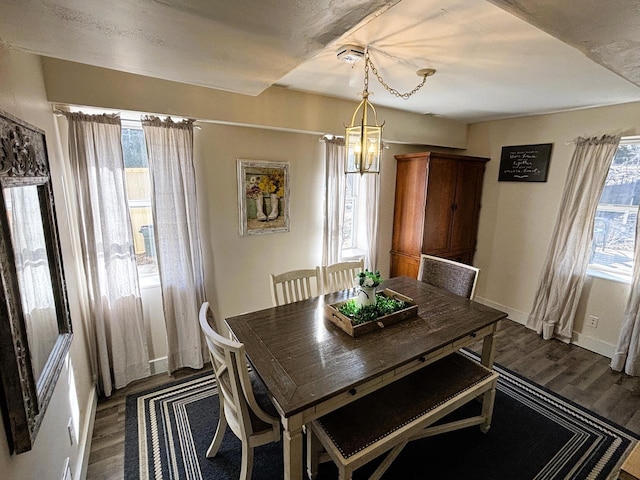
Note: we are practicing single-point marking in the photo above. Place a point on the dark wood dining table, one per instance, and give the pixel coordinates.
(311, 367)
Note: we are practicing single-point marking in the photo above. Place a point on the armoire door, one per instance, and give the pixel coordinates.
(466, 205)
(411, 178)
(438, 216)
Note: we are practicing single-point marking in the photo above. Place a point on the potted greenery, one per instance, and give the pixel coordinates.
(368, 282)
(370, 310)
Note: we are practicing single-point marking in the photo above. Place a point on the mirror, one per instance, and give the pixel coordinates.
(35, 325)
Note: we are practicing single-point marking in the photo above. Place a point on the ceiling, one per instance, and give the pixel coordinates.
(494, 59)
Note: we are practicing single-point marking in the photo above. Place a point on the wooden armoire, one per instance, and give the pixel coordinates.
(436, 209)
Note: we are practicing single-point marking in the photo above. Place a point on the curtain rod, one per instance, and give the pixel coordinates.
(623, 139)
(58, 112)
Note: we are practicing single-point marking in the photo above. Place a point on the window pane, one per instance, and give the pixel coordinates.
(349, 226)
(615, 223)
(133, 148)
(139, 196)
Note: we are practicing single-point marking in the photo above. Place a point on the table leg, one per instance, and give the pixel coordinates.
(487, 409)
(488, 353)
(292, 447)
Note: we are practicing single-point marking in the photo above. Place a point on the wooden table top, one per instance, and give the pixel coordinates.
(305, 359)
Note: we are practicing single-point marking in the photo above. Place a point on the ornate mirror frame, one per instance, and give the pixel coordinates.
(23, 397)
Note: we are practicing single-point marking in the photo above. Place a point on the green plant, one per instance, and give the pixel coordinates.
(369, 279)
(369, 313)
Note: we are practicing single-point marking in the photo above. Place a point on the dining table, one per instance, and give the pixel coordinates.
(312, 367)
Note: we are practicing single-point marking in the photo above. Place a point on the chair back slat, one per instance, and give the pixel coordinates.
(295, 286)
(451, 276)
(341, 276)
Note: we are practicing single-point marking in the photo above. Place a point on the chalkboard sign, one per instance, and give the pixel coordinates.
(525, 163)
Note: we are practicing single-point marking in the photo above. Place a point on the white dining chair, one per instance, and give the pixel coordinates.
(341, 276)
(295, 285)
(454, 277)
(244, 401)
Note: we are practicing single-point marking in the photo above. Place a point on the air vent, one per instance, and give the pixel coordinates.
(350, 53)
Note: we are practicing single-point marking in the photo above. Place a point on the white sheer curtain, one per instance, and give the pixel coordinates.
(627, 354)
(95, 151)
(335, 191)
(34, 276)
(335, 197)
(370, 186)
(175, 218)
(563, 272)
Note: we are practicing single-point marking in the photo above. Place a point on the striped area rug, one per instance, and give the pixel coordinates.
(535, 434)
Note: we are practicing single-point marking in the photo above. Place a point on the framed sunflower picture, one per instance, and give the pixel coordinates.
(263, 197)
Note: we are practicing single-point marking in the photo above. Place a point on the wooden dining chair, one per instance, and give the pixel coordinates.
(341, 276)
(295, 285)
(451, 276)
(244, 401)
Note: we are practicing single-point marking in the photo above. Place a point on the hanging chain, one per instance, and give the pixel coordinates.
(392, 91)
(365, 92)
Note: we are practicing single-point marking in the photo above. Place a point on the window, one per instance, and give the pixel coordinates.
(139, 197)
(350, 224)
(354, 234)
(614, 231)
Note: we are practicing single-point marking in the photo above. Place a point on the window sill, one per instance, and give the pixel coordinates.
(602, 275)
(351, 254)
(149, 281)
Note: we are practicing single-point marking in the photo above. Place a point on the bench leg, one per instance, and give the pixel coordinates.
(346, 475)
(314, 448)
(488, 400)
(388, 460)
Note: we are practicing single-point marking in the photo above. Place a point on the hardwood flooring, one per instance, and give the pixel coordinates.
(106, 458)
(571, 371)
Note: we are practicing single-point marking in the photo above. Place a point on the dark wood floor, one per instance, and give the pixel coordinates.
(575, 373)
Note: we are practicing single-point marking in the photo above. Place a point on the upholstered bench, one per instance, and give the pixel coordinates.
(631, 467)
(389, 418)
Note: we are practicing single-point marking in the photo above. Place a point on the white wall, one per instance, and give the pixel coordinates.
(517, 219)
(22, 94)
(236, 267)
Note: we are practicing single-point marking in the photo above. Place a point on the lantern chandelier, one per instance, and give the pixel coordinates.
(363, 139)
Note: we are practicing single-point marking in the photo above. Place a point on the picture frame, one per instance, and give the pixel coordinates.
(525, 163)
(263, 197)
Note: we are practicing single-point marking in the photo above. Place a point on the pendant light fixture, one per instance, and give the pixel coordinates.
(363, 137)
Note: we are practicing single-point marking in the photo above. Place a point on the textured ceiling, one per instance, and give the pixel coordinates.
(606, 32)
(494, 59)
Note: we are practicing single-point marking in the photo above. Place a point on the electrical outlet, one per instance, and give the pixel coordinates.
(593, 321)
(70, 430)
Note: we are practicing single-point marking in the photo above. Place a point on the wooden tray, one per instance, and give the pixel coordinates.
(342, 321)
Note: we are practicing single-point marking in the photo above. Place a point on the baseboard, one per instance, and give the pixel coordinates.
(84, 446)
(513, 314)
(593, 344)
(579, 339)
(159, 365)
